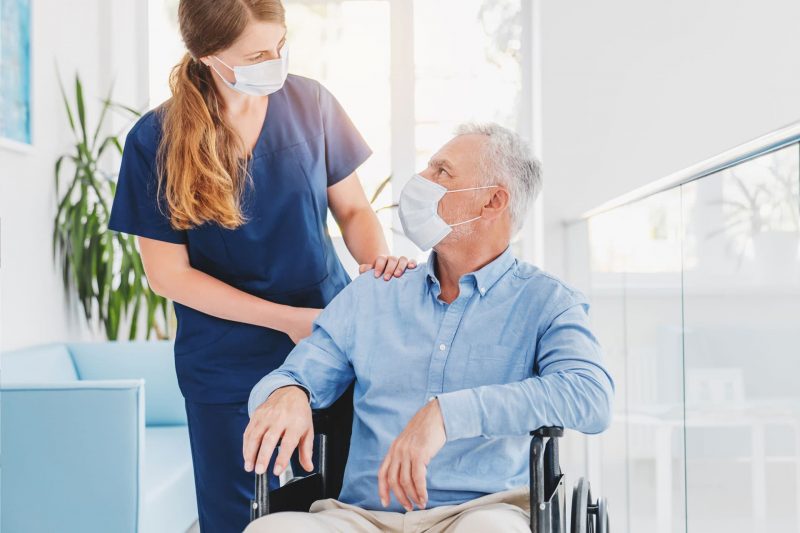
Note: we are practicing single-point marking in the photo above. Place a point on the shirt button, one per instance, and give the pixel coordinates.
(442, 347)
(482, 289)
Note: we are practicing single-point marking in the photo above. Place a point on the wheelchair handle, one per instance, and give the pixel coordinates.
(548, 431)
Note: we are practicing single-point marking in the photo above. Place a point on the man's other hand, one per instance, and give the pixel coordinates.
(405, 466)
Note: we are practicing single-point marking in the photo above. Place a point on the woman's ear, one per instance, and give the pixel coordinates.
(496, 204)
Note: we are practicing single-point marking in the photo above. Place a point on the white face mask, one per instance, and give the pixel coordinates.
(259, 79)
(418, 210)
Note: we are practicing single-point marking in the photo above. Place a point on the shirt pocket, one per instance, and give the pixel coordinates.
(493, 364)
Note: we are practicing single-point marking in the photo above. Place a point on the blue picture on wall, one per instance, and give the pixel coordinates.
(15, 70)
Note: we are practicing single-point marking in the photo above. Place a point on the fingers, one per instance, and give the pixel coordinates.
(389, 269)
(402, 264)
(389, 266)
(418, 471)
(307, 449)
(251, 442)
(393, 475)
(383, 482)
(389, 476)
(287, 447)
(380, 265)
(268, 444)
(407, 484)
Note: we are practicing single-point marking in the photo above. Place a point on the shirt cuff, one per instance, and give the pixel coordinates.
(269, 384)
(461, 413)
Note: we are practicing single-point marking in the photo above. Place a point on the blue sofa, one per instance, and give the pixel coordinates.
(94, 439)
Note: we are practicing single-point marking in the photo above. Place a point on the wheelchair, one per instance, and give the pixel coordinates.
(332, 428)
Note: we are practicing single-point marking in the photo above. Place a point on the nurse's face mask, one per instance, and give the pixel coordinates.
(419, 211)
(259, 79)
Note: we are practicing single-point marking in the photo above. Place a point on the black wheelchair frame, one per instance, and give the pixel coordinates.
(332, 427)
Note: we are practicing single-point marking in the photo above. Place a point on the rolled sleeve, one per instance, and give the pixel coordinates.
(269, 384)
(461, 414)
(320, 363)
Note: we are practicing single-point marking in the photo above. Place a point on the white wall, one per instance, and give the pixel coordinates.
(94, 37)
(633, 91)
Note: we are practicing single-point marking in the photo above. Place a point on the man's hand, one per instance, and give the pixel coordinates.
(284, 417)
(405, 466)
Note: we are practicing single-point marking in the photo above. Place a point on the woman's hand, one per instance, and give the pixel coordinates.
(388, 266)
(299, 321)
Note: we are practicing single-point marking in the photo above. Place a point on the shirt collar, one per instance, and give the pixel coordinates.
(485, 278)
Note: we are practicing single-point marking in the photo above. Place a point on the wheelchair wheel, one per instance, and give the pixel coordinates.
(580, 521)
(588, 517)
(602, 515)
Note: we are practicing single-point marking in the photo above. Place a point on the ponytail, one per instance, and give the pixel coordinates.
(202, 162)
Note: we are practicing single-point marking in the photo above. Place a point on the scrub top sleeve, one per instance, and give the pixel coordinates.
(345, 149)
(135, 209)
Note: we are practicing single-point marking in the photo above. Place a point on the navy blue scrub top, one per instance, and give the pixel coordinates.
(283, 253)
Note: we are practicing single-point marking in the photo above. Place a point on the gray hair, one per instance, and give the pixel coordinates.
(508, 160)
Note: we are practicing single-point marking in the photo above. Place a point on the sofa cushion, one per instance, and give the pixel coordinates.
(168, 492)
(48, 363)
(152, 361)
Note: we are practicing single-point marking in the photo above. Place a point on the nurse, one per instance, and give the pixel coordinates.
(227, 185)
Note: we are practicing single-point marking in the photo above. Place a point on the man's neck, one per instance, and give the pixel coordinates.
(452, 262)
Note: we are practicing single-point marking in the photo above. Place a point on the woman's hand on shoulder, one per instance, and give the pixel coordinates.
(389, 266)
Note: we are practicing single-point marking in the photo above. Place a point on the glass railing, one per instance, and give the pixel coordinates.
(695, 289)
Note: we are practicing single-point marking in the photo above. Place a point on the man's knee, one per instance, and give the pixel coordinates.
(285, 521)
(496, 517)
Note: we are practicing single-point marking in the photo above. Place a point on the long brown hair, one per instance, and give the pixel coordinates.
(202, 161)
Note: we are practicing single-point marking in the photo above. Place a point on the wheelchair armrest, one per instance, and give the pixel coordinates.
(332, 427)
(549, 431)
(546, 480)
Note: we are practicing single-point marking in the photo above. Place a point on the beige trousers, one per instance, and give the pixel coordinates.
(505, 511)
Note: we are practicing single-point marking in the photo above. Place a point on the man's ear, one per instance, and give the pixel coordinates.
(497, 204)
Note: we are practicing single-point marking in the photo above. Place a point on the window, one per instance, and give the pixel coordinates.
(467, 67)
(406, 71)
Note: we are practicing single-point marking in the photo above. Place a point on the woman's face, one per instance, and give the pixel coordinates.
(260, 41)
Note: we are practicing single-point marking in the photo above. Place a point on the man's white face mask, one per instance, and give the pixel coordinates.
(418, 210)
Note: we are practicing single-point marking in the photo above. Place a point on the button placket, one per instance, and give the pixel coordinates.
(450, 323)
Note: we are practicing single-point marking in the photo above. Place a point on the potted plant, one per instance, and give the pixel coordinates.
(101, 267)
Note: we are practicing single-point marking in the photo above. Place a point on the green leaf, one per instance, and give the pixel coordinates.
(103, 111)
(66, 105)
(81, 109)
(380, 188)
(102, 268)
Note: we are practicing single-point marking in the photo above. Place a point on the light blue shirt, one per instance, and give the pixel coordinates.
(512, 353)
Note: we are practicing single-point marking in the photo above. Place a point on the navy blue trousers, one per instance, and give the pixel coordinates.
(224, 489)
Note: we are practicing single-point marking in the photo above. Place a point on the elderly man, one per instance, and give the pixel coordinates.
(454, 362)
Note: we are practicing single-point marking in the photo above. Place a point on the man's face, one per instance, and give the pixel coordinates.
(457, 166)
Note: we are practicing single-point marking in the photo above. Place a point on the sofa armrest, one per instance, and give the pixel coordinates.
(72, 456)
(152, 361)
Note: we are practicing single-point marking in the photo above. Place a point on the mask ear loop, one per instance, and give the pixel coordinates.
(469, 189)
(224, 63)
(465, 222)
(230, 84)
(473, 188)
